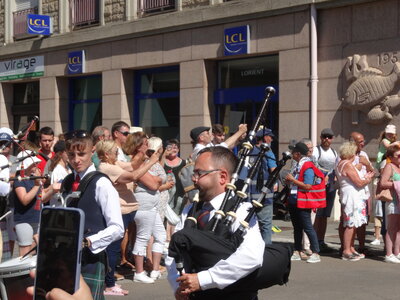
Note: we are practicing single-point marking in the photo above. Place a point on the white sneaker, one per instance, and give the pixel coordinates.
(143, 278)
(376, 242)
(314, 258)
(155, 275)
(392, 259)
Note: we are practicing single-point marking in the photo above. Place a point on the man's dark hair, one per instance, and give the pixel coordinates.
(46, 131)
(218, 129)
(117, 126)
(222, 157)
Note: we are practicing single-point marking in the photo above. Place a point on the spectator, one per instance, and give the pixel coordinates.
(148, 221)
(201, 138)
(218, 134)
(352, 195)
(391, 177)
(46, 140)
(267, 166)
(120, 132)
(174, 164)
(59, 168)
(99, 133)
(305, 184)
(325, 157)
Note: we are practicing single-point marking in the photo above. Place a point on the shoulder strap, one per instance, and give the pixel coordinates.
(88, 178)
(319, 152)
(334, 152)
(66, 184)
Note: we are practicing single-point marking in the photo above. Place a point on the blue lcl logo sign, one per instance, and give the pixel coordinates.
(76, 62)
(39, 24)
(237, 40)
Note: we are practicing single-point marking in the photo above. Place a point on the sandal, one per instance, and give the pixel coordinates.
(115, 291)
(360, 255)
(350, 257)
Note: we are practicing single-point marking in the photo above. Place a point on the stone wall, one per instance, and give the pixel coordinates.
(194, 3)
(50, 8)
(2, 28)
(114, 11)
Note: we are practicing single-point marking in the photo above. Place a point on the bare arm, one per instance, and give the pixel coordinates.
(231, 141)
(386, 181)
(151, 182)
(26, 197)
(302, 185)
(350, 172)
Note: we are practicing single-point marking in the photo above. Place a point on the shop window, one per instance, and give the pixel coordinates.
(85, 111)
(157, 101)
(25, 103)
(241, 92)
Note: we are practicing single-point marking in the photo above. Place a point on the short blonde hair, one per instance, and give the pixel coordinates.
(103, 147)
(347, 150)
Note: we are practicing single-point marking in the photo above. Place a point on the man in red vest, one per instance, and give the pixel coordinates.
(46, 140)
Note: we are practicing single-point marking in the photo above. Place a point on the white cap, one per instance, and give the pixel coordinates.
(390, 129)
(27, 162)
(7, 130)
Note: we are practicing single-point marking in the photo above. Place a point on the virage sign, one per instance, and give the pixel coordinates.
(39, 24)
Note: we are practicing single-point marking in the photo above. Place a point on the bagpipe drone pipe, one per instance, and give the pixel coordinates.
(195, 249)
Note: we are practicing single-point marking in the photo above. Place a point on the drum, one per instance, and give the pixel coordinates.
(14, 278)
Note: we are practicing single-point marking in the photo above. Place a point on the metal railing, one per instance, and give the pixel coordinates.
(84, 12)
(153, 6)
(20, 22)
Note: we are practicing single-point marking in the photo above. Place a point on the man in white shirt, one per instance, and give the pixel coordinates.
(120, 132)
(201, 138)
(212, 172)
(325, 157)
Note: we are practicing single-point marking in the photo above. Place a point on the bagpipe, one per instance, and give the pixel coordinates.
(196, 250)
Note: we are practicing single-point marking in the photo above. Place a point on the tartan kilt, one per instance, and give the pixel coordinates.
(93, 270)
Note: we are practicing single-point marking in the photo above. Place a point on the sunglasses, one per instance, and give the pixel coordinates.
(125, 133)
(76, 134)
(327, 136)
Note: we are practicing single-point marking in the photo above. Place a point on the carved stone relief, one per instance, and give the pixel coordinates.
(371, 91)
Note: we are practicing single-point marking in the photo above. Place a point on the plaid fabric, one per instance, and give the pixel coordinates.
(93, 271)
(6, 242)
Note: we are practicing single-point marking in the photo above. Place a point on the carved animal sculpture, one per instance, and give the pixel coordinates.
(369, 92)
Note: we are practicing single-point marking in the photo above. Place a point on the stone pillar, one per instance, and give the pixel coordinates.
(194, 104)
(6, 102)
(54, 103)
(117, 94)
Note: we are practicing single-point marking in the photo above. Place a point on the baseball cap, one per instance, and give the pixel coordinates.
(27, 162)
(195, 132)
(390, 129)
(264, 132)
(5, 137)
(327, 131)
(300, 147)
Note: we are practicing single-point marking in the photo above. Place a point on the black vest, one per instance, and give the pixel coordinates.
(94, 219)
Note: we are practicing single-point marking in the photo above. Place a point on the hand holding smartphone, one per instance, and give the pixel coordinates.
(59, 250)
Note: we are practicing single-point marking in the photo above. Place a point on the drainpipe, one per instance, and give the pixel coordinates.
(314, 73)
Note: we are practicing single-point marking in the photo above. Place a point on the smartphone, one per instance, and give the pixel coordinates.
(59, 250)
(149, 152)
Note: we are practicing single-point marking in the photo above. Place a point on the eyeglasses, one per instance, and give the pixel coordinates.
(197, 174)
(125, 133)
(169, 147)
(327, 136)
(76, 134)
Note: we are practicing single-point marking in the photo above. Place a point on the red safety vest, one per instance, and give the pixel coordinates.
(316, 197)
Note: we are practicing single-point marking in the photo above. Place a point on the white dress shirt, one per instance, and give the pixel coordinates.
(107, 198)
(247, 258)
(199, 147)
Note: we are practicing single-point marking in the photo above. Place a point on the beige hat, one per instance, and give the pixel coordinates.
(390, 129)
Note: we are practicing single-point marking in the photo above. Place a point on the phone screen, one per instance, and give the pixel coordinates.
(59, 250)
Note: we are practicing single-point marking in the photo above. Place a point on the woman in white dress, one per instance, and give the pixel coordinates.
(352, 193)
(59, 169)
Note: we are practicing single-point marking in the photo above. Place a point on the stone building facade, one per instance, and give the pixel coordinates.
(357, 41)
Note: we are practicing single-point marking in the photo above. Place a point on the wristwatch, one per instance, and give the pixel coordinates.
(85, 243)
